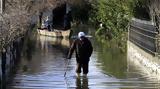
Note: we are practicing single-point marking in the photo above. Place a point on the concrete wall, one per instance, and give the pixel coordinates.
(148, 63)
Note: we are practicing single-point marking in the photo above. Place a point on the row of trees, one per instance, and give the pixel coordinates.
(19, 15)
(115, 15)
(154, 8)
(14, 20)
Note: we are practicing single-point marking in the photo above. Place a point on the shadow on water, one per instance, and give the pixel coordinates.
(3, 84)
(111, 57)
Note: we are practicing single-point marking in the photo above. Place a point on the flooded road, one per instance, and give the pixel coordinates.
(43, 65)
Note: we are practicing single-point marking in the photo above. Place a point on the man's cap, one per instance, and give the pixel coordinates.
(80, 34)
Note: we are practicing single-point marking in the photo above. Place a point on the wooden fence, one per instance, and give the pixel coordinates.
(144, 35)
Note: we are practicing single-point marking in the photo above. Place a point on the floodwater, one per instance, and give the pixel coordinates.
(43, 65)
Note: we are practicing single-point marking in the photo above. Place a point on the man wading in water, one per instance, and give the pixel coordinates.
(83, 49)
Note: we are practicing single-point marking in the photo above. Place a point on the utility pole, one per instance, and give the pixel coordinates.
(2, 5)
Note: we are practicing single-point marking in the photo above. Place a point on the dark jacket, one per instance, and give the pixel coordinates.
(83, 49)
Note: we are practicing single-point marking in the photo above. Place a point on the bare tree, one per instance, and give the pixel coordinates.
(154, 6)
(19, 15)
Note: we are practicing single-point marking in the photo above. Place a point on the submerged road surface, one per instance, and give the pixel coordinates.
(42, 66)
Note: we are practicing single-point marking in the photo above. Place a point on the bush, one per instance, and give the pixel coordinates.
(113, 14)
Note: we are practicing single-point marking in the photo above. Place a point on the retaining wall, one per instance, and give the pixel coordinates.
(146, 61)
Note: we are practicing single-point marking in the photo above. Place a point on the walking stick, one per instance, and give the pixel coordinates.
(66, 67)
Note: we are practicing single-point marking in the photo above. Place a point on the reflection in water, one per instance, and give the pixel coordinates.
(82, 83)
(54, 41)
(3, 86)
(45, 68)
(59, 43)
(113, 60)
(45, 64)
